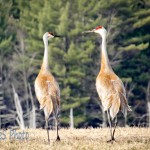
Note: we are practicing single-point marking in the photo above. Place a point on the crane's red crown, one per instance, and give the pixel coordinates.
(50, 33)
(99, 27)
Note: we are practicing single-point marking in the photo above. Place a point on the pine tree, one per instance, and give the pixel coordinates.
(74, 59)
(5, 50)
(134, 41)
(33, 31)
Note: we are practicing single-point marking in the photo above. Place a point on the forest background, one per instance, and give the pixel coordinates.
(74, 59)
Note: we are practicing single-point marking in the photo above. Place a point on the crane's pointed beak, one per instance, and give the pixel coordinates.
(89, 31)
(58, 36)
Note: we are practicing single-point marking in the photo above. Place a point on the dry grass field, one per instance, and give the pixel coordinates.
(79, 139)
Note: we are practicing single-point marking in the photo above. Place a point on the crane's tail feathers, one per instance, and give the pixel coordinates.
(113, 112)
(48, 108)
(105, 109)
(124, 105)
(112, 102)
(42, 106)
(43, 103)
(115, 103)
(55, 106)
(114, 109)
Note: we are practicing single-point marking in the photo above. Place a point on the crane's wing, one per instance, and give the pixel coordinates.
(112, 94)
(120, 89)
(54, 93)
(46, 89)
(105, 91)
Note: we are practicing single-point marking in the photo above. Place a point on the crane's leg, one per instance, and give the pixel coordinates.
(58, 138)
(110, 125)
(114, 128)
(47, 130)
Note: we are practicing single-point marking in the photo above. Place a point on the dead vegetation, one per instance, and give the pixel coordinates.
(80, 139)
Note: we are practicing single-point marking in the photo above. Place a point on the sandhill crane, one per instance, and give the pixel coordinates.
(109, 86)
(46, 87)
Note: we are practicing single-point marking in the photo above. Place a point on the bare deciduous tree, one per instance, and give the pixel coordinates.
(71, 118)
(148, 102)
(32, 122)
(19, 110)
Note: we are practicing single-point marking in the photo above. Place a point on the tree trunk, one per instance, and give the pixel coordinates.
(71, 118)
(148, 103)
(1, 93)
(129, 93)
(22, 48)
(19, 110)
(2, 105)
(104, 124)
(32, 123)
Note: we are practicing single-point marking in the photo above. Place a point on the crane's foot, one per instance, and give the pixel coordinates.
(49, 141)
(58, 139)
(111, 140)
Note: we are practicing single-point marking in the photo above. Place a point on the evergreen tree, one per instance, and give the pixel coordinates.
(5, 52)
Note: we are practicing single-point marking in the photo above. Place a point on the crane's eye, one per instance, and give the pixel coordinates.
(50, 33)
(99, 27)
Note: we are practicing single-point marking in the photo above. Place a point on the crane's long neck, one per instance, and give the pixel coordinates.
(45, 58)
(105, 65)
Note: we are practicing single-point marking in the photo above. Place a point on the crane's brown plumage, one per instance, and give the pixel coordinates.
(47, 89)
(111, 92)
(109, 86)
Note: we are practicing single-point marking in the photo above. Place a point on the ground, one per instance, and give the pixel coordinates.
(76, 139)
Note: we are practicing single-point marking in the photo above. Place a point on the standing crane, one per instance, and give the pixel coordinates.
(109, 86)
(47, 89)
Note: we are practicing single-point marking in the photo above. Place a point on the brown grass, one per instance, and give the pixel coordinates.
(81, 139)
